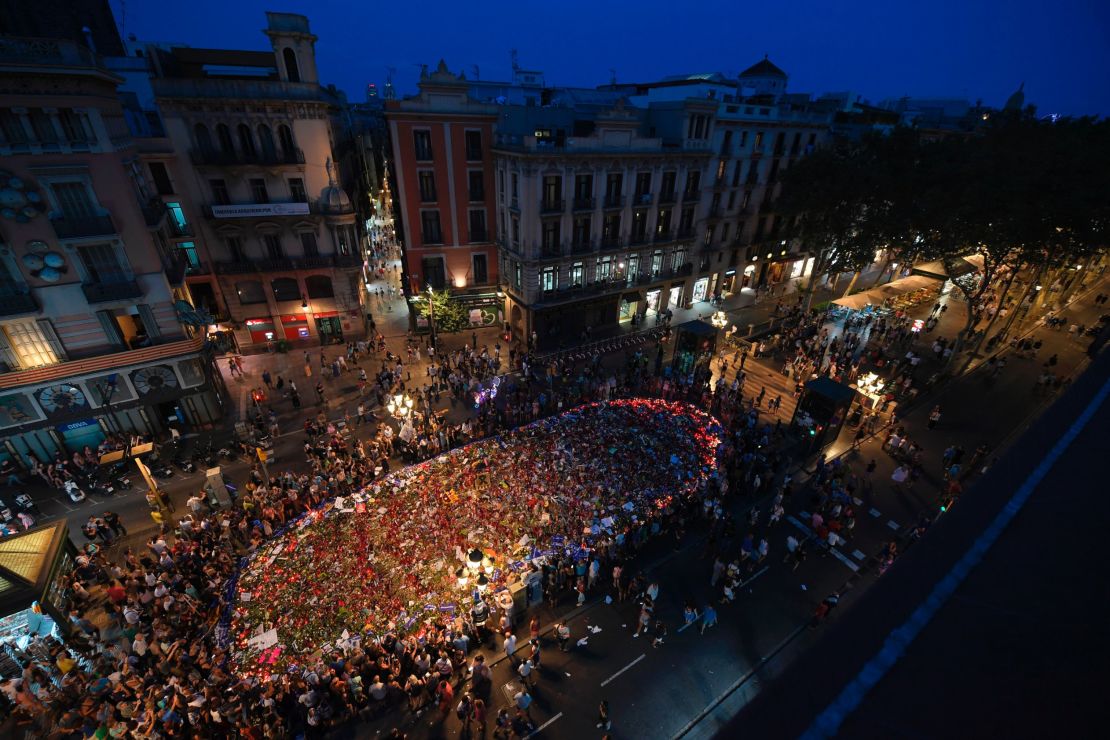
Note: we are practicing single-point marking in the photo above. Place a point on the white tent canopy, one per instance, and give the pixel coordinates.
(876, 296)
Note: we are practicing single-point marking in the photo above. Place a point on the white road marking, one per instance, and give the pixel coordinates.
(539, 729)
(857, 501)
(835, 553)
(875, 513)
(893, 525)
(858, 555)
(622, 670)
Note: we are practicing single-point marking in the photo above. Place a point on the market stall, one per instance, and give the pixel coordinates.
(35, 568)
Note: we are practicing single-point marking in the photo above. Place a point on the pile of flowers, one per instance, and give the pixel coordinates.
(387, 558)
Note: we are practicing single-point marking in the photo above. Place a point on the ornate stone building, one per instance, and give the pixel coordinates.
(272, 241)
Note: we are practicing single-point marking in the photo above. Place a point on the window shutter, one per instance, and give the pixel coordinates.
(52, 338)
(151, 325)
(7, 357)
(110, 327)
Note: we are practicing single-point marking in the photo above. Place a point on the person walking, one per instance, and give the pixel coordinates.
(603, 720)
(708, 617)
(510, 647)
(526, 669)
(934, 416)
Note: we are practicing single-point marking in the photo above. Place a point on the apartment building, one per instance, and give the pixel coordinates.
(443, 165)
(270, 236)
(597, 210)
(96, 324)
(646, 197)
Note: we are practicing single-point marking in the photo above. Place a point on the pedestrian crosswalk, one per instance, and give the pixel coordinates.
(760, 376)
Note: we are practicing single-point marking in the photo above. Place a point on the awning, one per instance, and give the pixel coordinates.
(949, 269)
(631, 297)
(876, 296)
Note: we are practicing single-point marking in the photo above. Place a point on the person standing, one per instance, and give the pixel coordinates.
(934, 416)
(562, 631)
(510, 646)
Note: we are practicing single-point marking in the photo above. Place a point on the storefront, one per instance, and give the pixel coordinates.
(80, 434)
(674, 298)
(802, 267)
(329, 326)
(749, 276)
(727, 283)
(701, 289)
(295, 327)
(630, 302)
(261, 329)
(652, 300)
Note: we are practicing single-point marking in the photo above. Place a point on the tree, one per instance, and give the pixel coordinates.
(822, 205)
(447, 315)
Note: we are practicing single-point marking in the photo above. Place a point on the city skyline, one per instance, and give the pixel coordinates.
(985, 55)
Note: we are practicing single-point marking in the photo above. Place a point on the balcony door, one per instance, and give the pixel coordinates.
(73, 200)
(102, 264)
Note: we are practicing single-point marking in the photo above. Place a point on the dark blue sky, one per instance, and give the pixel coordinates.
(875, 48)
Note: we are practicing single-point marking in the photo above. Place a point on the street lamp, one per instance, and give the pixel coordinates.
(431, 316)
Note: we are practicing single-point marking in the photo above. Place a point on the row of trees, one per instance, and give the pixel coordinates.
(1032, 197)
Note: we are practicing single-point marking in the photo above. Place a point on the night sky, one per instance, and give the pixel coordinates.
(878, 49)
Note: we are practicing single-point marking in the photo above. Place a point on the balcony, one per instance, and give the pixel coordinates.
(478, 235)
(614, 242)
(686, 233)
(552, 206)
(514, 205)
(18, 303)
(83, 228)
(551, 251)
(161, 349)
(114, 291)
(584, 204)
(154, 212)
(180, 229)
(614, 201)
(582, 247)
(666, 198)
(477, 196)
(574, 292)
(642, 200)
(216, 158)
(714, 212)
(664, 236)
(281, 264)
(637, 240)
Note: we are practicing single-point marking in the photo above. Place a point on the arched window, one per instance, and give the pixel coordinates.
(291, 70)
(250, 291)
(246, 141)
(285, 136)
(285, 289)
(319, 286)
(203, 137)
(266, 140)
(223, 135)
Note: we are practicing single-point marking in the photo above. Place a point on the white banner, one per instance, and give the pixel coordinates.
(260, 209)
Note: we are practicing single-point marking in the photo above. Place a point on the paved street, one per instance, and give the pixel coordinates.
(665, 691)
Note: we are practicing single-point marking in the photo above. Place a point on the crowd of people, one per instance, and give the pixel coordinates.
(147, 660)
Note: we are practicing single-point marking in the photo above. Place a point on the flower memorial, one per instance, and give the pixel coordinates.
(386, 559)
